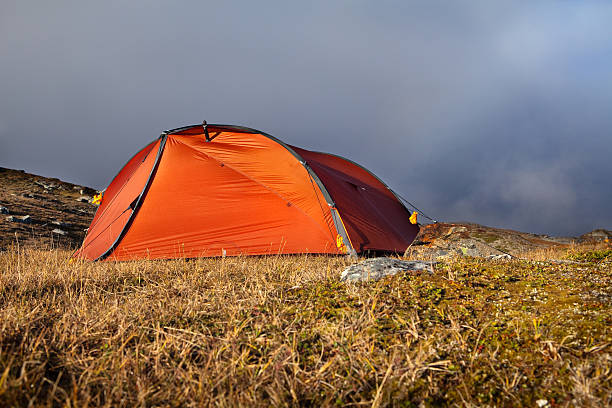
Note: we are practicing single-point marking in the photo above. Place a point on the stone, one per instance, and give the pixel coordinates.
(47, 187)
(84, 199)
(4, 210)
(59, 231)
(597, 235)
(26, 219)
(499, 257)
(61, 224)
(378, 268)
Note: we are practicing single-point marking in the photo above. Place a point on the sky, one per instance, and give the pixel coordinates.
(491, 112)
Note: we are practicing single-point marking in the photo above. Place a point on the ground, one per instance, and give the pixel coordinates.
(51, 204)
(535, 330)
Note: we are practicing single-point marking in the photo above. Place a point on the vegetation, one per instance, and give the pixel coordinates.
(285, 331)
(596, 255)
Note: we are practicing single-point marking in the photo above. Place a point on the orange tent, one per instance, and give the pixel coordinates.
(216, 190)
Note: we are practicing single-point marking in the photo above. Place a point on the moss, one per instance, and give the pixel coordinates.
(486, 237)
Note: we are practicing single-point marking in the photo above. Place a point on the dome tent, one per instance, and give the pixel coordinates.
(216, 190)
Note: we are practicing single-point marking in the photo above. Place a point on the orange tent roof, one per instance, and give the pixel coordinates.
(217, 190)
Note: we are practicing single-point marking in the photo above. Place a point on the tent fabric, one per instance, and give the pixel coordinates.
(373, 216)
(243, 192)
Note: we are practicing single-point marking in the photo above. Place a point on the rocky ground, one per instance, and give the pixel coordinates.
(444, 240)
(42, 212)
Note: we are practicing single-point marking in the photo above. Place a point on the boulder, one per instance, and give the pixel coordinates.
(597, 235)
(378, 268)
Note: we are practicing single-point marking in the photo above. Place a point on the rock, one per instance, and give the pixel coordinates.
(58, 232)
(498, 257)
(33, 196)
(542, 403)
(4, 210)
(61, 224)
(86, 191)
(26, 219)
(378, 268)
(597, 236)
(84, 199)
(47, 187)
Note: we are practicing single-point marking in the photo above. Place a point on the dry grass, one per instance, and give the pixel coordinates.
(284, 331)
(571, 252)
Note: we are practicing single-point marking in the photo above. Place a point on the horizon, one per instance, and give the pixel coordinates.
(496, 114)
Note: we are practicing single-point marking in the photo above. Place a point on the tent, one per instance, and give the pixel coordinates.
(216, 190)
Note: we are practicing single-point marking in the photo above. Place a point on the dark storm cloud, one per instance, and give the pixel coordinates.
(496, 114)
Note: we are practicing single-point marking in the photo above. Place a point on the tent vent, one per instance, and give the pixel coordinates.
(205, 126)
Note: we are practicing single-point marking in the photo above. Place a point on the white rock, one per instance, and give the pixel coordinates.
(26, 219)
(58, 231)
(378, 268)
(47, 187)
(498, 257)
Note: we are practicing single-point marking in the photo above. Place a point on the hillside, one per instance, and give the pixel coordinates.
(444, 240)
(40, 211)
